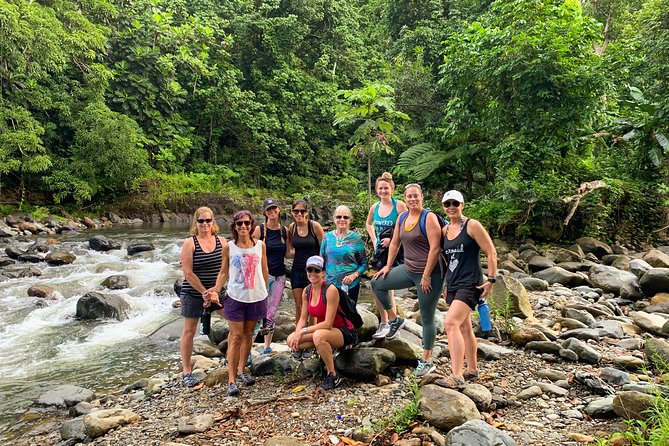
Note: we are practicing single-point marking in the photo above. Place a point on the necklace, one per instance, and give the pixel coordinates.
(410, 227)
(462, 226)
(339, 241)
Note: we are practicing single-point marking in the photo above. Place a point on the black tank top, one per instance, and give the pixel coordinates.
(305, 247)
(464, 261)
(206, 266)
(276, 249)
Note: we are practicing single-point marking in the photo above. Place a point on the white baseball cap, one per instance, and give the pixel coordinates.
(315, 261)
(453, 195)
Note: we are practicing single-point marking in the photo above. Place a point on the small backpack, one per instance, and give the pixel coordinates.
(346, 308)
(422, 220)
(380, 256)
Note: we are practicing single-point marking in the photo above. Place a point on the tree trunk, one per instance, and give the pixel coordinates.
(369, 180)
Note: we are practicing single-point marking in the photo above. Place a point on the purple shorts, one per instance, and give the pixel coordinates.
(236, 311)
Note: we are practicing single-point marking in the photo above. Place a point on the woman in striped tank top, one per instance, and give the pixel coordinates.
(201, 260)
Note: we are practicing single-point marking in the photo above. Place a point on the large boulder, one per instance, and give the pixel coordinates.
(656, 280)
(444, 408)
(631, 405)
(73, 429)
(269, 365)
(651, 323)
(139, 247)
(560, 255)
(560, 275)
(657, 258)
(66, 395)
(478, 433)
(100, 422)
(508, 294)
(369, 324)
(102, 243)
(589, 244)
(538, 263)
(611, 279)
(639, 267)
(406, 346)
(364, 363)
(101, 306)
(43, 291)
(57, 258)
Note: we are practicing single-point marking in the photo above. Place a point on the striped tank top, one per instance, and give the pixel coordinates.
(206, 266)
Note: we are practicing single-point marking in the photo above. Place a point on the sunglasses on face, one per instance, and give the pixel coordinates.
(241, 223)
(204, 220)
(299, 211)
(448, 204)
(311, 269)
(345, 217)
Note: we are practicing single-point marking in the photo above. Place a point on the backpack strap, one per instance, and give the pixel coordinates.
(263, 231)
(326, 285)
(403, 216)
(284, 234)
(423, 221)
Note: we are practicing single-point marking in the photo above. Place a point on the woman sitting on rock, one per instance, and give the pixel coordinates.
(329, 330)
(201, 261)
(245, 303)
(463, 240)
(344, 253)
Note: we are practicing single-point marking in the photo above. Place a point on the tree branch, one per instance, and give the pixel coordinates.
(583, 190)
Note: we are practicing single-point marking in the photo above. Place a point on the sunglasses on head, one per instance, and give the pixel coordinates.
(299, 211)
(345, 217)
(241, 223)
(311, 269)
(204, 220)
(449, 203)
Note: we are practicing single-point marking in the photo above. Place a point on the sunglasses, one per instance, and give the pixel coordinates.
(299, 211)
(204, 220)
(448, 204)
(311, 269)
(241, 223)
(345, 217)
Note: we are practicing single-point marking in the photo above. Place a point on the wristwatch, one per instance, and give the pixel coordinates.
(492, 279)
(304, 331)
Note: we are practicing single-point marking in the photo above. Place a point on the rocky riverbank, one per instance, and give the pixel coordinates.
(578, 335)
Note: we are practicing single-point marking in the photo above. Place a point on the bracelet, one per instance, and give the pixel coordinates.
(304, 331)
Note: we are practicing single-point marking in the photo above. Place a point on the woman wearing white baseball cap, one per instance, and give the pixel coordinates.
(464, 238)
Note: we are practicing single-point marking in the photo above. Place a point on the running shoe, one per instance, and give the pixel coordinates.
(395, 326)
(331, 381)
(233, 390)
(424, 367)
(188, 379)
(381, 332)
(247, 379)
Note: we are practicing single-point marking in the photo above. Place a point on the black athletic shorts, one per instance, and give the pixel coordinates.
(350, 337)
(298, 279)
(470, 296)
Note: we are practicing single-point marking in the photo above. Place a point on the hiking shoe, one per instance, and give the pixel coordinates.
(308, 353)
(395, 326)
(233, 390)
(471, 376)
(188, 379)
(297, 354)
(247, 379)
(381, 332)
(331, 381)
(452, 382)
(424, 367)
(266, 351)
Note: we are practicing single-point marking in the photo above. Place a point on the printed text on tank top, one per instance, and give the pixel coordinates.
(390, 206)
(462, 226)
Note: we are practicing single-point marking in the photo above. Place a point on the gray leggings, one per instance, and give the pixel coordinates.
(399, 278)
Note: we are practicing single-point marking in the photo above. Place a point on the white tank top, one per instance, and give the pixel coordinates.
(245, 281)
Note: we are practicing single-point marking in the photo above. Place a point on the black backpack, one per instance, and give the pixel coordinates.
(380, 257)
(346, 308)
(422, 222)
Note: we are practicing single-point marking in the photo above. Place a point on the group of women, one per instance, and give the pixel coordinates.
(252, 267)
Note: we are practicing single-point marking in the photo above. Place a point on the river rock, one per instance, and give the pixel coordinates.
(629, 362)
(569, 323)
(490, 351)
(559, 275)
(509, 293)
(478, 433)
(116, 282)
(524, 335)
(552, 389)
(66, 395)
(660, 298)
(445, 408)
(657, 308)
(102, 306)
(529, 393)
(656, 280)
(560, 255)
(591, 245)
(196, 424)
(585, 352)
(364, 363)
(573, 267)
(611, 279)
(549, 347)
(621, 262)
(610, 329)
(102, 421)
(527, 254)
(657, 352)
(511, 266)
(57, 258)
(580, 315)
(219, 330)
(408, 346)
(6, 230)
(102, 243)
(216, 376)
(269, 365)
(479, 394)
(538, 263)
(43, 291)
(206, 348)
(73, 429)
(651, 323)
(581, 333)
(18, 272)
(13, 252)
(639, 267)
(134, 248)
(601, 408)
(369, 324)
(284, 441)
(630, 405)
(534, 284)
(31, 258)
(656, 258)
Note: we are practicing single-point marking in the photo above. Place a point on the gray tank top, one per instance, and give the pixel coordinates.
(416, 248)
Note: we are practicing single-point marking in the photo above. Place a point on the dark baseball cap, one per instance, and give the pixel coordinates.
(269, 203)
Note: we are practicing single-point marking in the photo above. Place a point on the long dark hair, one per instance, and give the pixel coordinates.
(233, 225)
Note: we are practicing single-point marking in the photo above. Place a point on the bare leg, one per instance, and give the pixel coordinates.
(247, 343)
(297, 297)
(325, 341)
(186, 342)
(470, 344)
(235, 339)
(456, 315)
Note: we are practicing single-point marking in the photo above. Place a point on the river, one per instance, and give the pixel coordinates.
(45, 346)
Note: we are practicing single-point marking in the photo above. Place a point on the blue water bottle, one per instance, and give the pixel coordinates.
(484, 316)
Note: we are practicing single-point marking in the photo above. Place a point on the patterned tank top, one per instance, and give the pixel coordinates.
(206, 266)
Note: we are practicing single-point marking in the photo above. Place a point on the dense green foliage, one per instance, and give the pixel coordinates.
(515, 102)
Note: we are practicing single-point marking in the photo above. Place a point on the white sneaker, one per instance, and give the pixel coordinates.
(382, 331)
